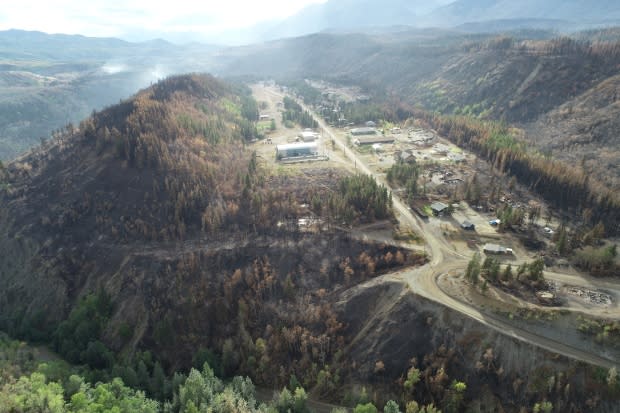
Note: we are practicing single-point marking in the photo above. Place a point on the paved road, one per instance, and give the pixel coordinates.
(443, 259)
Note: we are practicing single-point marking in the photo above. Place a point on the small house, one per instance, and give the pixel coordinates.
(439, 208)
(468, 226)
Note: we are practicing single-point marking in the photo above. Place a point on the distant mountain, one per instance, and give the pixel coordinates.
(342, 15)
(49, 80)
(577, 11)
(22, 44)
(507, 25)
(470, 15)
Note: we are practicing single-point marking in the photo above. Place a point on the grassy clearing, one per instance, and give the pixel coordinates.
(263, 126)
(231, 106)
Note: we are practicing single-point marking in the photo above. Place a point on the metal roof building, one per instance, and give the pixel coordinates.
(438, 208)
(496, 249)
(371, 140)
(296, 150)
(308, 136)
(363, 131)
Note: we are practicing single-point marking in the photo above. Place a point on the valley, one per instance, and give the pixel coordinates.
(394, 218)
(449, 258)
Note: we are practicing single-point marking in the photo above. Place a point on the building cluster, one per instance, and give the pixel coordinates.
(305, 147)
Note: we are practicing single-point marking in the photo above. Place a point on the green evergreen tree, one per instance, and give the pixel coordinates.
(391, 407)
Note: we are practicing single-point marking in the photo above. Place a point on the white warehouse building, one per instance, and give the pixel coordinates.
(308, 136)
(297, 150)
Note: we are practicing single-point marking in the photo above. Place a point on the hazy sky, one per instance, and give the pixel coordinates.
(142, 19)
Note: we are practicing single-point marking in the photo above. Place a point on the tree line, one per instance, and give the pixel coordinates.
(293, 112)
(358, 198)
(406, 175)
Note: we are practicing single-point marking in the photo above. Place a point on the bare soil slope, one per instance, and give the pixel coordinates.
(393, 329)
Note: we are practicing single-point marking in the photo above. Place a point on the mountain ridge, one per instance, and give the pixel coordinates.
(466, 11)
(26, 44)
(359, 16)
(52, 80)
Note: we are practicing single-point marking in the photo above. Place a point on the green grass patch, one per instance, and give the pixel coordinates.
(263, 126)
(501, 139)
(231, 106)
(387, 126)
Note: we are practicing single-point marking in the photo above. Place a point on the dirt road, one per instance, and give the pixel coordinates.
(443, 258)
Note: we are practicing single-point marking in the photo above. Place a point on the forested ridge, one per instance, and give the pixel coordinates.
(150, 229)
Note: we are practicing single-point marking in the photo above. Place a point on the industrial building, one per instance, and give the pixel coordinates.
(308, 136)
(297, 150)
(363, 131)
(371, 140)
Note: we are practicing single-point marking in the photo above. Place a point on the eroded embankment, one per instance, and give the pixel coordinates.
(390, 329)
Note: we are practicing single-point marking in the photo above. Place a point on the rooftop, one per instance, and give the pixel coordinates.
(438, 206)
(367, 140)
(363, 131)
(496, 248)
(301, 145)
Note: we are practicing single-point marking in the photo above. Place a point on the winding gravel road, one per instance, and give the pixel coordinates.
(443, 259)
